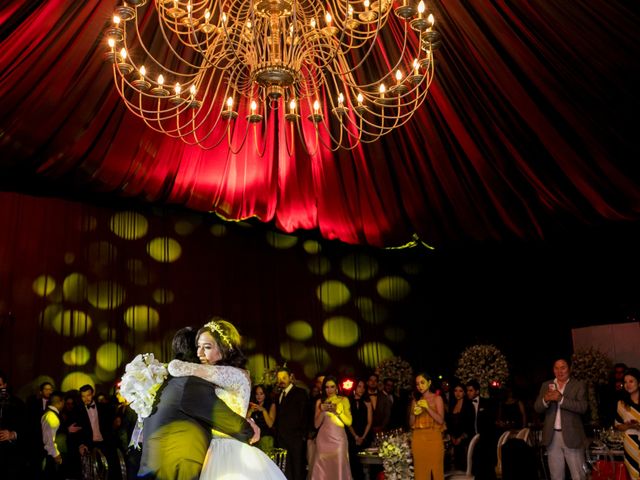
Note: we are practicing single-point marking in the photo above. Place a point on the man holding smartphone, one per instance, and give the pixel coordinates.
(563, 400)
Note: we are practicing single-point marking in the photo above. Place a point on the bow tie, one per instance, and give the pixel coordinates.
(475, 400)
(93, 405)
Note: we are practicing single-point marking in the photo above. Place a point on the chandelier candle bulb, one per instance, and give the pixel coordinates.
(272, 53)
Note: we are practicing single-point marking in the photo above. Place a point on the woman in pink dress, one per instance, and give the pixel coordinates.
(333, 414)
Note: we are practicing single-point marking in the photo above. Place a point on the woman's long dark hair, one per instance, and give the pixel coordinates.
(228, 340)
(417, 395)
(328, 378)
(635, 373)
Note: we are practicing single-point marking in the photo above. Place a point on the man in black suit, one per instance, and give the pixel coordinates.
(177, 434)
(485, 453)
(291, 424)
(12, 433)
(96, 431)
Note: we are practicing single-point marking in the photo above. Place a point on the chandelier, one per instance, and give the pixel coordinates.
(308, 73)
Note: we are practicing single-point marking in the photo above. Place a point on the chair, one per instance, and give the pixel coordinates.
(501, 441)
(279, 457)
(523, 435)
(459, 474)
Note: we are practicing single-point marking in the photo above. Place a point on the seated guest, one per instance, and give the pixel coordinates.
(263, 411)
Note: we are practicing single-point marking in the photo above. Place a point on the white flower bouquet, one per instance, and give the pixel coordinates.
(484, 363)
(397, 369)
(395, 451)
(143, 377)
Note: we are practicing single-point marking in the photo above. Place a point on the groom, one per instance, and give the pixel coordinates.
(177, 433)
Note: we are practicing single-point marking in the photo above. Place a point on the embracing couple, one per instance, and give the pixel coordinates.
(198, 426)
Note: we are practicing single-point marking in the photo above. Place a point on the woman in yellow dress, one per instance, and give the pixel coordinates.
(427, 422)
(628, 421)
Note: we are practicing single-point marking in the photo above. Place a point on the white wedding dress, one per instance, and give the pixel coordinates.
(228, 458)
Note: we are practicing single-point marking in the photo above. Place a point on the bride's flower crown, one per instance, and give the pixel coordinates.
(213, 326)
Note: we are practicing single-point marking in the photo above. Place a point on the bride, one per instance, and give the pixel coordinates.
(223, 365)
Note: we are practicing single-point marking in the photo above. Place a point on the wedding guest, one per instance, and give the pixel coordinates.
(12, 432)
(563, 400)
(333, 414)
(460, 425)
(628, 421)
(380, 404)
(511, 411)
(263, 411)
(314, 394)
(50, 423)
(360, 429)
(485, 455)
(427, 422)
(291, 423)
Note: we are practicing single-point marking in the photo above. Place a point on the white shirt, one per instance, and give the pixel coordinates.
(95, 423)
(50, 422)
(285, 392)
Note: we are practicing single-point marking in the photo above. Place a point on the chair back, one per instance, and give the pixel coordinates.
(501, 441)
(279, 457)
(523, 435)
(472, 446)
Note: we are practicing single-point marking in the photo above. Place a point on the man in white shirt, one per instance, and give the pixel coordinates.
(563, 400)
(50, 423)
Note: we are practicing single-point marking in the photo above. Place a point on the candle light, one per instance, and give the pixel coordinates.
(382, 90)
(254, 107)
(111, 42)
(193, 91)
(421, 9)
(189, 9)
(340, 100)
(143, 72)
(229, 103)
(313, 23)
(360, 99)
(123, 54)
(327, 18)
(431, 20)
(292, 106)
(116, 20)
(398, 76)
(316, 107)
(415, 66)
(160, 80)
(207, 15)
(177, 89)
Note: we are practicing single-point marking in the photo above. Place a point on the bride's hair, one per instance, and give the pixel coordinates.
(228, 340)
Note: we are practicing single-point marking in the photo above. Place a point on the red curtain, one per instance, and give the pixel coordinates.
(529, 130)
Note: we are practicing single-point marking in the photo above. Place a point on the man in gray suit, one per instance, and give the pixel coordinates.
(177, 433)
(563, 401)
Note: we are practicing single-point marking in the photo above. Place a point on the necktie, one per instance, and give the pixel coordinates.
(282, 395)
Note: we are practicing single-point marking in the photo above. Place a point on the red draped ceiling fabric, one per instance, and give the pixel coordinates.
(528, 130)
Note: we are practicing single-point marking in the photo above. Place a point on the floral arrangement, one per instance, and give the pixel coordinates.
(590, 365)
(593, 367)
(484, 363)
(143, 377)
(395, 451)
(397, 369)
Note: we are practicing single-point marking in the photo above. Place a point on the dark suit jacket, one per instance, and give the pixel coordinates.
(85, 435)
(179, 429)
(291, 417)
(574, 404)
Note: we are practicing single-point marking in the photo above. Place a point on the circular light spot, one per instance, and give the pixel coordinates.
(359, 267)
(129, 225)
(105, 295)
(393, 288)
(218, 230)
(78, 355)
(412, 268)
(281, 241)
(44, 285)
(333, 293)
(105, 375)
(317, 360)
(72, 323)
(88, 224)
(370, 312)
(259, 364)
(107, 333)
(312, 247)
(74, 288)
(102, 254)
(49, 313)
(372, 353)
(163, 296)
(395, 334)
(299, 330)
(292, 350)
(109, 356)
(141, 318)
(340, 331)
(138, 272)
(319, 265)
(184, 227)
(248, 343)
(75, 380)
(69, 258)
(164, 249)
